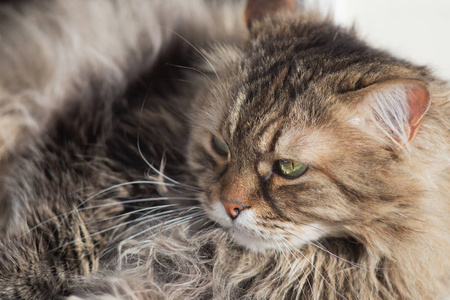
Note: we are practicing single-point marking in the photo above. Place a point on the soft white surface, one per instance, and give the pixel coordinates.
(416, 30)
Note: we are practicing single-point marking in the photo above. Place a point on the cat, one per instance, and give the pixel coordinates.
(216, 150)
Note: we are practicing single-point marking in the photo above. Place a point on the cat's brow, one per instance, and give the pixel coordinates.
(269, 136)
(234, 116)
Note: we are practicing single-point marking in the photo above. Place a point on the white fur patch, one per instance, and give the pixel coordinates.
(246, 231)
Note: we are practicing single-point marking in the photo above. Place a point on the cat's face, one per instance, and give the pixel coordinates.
(278, 150)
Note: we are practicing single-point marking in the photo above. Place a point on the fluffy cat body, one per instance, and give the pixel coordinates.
(367, 220)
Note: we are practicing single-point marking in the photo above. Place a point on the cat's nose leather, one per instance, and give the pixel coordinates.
(233, 208)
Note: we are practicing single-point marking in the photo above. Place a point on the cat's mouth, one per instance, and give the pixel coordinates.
(251, 238)
(247, 232)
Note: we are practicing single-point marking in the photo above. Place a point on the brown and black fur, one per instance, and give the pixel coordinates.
(68, 184)
(88, 146)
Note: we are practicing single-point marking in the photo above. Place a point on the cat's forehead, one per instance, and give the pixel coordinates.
(279, 80)
(266, 108)
(272, 124)
(291, 75)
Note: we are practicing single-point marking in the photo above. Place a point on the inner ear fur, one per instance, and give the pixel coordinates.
(257, 10)
(397, 107)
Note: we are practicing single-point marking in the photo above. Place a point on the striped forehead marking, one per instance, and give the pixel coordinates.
(234, 115)
(268, 100)
(269, 136)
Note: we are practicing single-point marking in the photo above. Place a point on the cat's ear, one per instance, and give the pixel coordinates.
(396, 107)
(257, 10)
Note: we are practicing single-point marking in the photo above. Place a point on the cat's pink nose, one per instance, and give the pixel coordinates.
(233, 208)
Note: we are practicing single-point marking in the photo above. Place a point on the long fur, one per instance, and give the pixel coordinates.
(53, 50)
(89, 130)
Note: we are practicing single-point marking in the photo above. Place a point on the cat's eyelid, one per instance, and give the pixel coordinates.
(219, 146)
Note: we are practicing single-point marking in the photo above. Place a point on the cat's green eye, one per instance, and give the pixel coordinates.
(219, 146)
(291, 169)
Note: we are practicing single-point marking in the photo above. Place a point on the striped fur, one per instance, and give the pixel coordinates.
(111, 187)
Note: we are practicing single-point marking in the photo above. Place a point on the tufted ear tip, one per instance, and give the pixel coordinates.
(257, 10)
(396, 106)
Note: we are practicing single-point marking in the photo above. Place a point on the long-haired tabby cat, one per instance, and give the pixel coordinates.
(215, 150)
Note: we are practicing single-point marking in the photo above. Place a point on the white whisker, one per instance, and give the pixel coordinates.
(198, 51)
(66, 214)
(163, 226)
(146, 209)
(193, 223)
(125, 184)
(138, 144)
(120, 202)
(178, 221)
(200, 72)
(145, 217)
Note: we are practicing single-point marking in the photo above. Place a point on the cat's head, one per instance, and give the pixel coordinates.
(301, 131)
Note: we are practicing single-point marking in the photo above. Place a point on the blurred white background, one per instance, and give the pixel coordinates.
(416, 30)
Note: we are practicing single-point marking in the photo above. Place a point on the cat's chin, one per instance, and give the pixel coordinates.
(252, 243)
